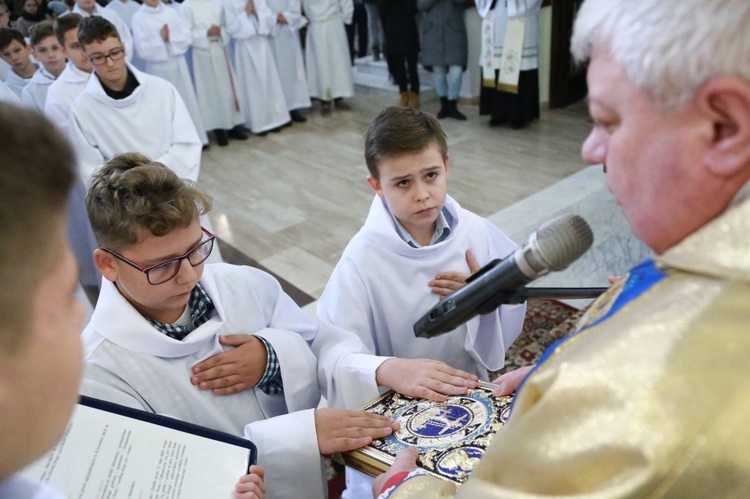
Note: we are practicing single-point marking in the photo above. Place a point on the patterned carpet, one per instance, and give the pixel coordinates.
(546, 322)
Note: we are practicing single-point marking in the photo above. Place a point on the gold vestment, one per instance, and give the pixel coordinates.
(650, 402)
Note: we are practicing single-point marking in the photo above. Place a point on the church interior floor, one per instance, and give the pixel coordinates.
(289, 202)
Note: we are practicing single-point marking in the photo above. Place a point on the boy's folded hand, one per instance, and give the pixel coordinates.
(252, 485)
(341, 430)
(424, 378)
(446, 283)
(235, 370)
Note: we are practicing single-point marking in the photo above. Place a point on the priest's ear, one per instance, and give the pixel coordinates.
(726, 101)
(106, 264)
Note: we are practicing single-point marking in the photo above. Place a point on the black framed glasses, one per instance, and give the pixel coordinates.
(115, 55)
(166, 270)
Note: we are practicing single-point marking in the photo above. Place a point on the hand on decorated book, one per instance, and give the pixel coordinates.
(252, 485)
(424, 378)
(341, 430)
(447, 282)
(235, 370)
(510, 381)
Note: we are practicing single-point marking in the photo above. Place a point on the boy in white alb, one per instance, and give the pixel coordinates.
(48, 51)
(162, 310)
(17, 53)
(386, 278)
(250, 22)
(74, 78)
(161, 38)
(125, 110)
(86, 8)
(393, 270)
(215, 81)
(287, 52)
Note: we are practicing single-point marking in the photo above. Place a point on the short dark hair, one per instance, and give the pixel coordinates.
(34, 186)
(401, 130)
(96, 29)
(63, 24)
(131, 195)
(40, 31)
(7, 35)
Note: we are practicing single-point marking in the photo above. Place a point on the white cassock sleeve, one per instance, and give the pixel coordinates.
(88, 154)
(242, 25)
(347, 10)
(184, 153)
(293, 15)
(180, 35)
(149, 44)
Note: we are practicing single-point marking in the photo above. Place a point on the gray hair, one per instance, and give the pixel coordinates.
(668, 48)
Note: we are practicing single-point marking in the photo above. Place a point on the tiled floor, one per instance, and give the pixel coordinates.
(291, 201)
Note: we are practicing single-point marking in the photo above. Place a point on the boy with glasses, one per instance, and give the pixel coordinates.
(124, 110)
(161, 311)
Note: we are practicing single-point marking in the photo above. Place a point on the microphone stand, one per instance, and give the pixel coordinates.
(523, 294)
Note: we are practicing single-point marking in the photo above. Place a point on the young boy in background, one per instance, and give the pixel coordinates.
(40, 345)
(161, 37)
(72, 81)
(48, 51)
(391, 272)
(17, 53)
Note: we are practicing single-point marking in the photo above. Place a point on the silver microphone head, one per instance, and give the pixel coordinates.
(557, 244)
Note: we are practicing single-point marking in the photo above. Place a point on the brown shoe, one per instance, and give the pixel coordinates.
(413, 100)
(404, 102)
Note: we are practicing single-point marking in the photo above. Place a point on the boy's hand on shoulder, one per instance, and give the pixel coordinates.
(341, 430)
(446, 283)
(235, 370)
(252, 485)
(424, 378)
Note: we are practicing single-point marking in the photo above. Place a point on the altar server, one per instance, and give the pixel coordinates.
(215, 80)
(74, 78)
(161, 38)
(329, 70)
(123, 110)
(287, 52)
(250, 22)
(17, 53)
(49, 52)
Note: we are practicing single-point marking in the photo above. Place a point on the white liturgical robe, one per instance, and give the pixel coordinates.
(258, 84)
(287, 51)
(380, 288)
(167, 59)
(61, 94)
(34, 94)
(8, 95)
(129, 362)
(329, 69)
(215, 81)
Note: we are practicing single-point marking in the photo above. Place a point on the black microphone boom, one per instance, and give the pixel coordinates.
(556, 244)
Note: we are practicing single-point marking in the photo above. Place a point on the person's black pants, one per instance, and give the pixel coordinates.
(404, 70)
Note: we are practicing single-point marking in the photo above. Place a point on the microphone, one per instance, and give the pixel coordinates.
(554, 246)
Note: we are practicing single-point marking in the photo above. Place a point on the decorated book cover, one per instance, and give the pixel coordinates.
(451, 436)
